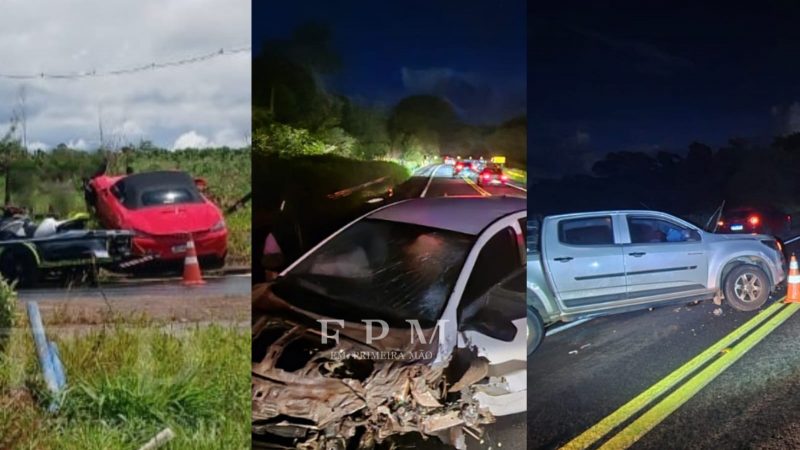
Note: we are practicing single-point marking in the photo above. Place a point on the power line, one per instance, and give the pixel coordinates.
(143, 68)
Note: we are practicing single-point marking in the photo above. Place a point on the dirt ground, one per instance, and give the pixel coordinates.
(96, 311)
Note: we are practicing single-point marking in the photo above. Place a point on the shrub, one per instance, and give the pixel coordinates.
(8, 311)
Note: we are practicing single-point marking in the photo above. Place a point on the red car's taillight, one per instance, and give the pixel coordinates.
(487, 177)
(754, 220)
(504, 177)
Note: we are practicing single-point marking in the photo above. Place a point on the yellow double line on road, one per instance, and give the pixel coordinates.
(725, 355)
(480, 190)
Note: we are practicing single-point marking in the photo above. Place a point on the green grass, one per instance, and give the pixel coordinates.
(314, 177)
(128, 381)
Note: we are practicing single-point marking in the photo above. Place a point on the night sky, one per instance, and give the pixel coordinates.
(608, 76)
(471, 52)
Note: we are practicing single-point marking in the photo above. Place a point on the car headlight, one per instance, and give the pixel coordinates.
(219, 226)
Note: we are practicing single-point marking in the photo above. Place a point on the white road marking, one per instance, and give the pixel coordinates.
(569, 325)
(430, 180)
(516, 187)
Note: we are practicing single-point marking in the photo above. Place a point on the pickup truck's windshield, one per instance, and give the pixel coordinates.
(378, 269)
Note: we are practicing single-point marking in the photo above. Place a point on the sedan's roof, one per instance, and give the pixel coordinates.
(463, 214)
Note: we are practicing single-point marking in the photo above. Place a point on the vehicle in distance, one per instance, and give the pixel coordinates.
(449, 160)
(492, 174)
(461, 166)
(760, 220)
(597, 263)
(163, 209)
(31, 252)
(455, 263)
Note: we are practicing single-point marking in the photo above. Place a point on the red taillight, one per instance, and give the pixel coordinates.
(754, 220)
(459, 166)
(504, 177)
(487, 177)
(720, 223)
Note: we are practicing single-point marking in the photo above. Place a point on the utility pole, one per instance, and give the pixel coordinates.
(272, 100)
(23, 116)
(100, 125)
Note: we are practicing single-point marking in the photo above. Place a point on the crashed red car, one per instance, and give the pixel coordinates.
(163, 209)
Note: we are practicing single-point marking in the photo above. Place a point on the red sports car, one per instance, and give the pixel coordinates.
(162, 208)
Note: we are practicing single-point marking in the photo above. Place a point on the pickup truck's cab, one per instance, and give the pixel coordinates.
(597, 263)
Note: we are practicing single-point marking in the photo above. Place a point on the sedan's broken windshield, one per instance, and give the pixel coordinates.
(378, 269)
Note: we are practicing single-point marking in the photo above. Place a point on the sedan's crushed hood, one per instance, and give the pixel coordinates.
(313, 395)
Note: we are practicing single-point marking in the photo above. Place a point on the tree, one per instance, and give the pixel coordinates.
(427, 118)
(10, 150)
(368, 126)
(511, 140)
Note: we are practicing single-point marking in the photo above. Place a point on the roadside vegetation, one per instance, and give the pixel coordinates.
(50, 182)
(294, 114)
(126, 381)
(309, 142)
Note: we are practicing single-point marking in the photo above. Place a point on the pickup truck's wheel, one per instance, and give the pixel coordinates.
(747, 287)
(535, 329)
(19, 266)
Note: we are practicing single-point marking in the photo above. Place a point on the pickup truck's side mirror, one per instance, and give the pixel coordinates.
(691, 235)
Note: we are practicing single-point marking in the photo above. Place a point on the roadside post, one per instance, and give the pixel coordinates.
(47, 352)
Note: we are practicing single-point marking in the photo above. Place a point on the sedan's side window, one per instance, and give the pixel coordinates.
(651, 230)
(586, 231)
(497, 260)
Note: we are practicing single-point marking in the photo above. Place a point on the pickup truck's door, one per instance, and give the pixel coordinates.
(663, 257)
(584, 261)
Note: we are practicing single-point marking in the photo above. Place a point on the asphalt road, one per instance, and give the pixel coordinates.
(437, 180)
(582, 375)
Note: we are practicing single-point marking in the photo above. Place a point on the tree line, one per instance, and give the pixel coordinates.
(294, 114)
(741, 172)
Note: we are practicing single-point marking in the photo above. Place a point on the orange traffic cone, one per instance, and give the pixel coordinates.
(191, 267)
(793, 282)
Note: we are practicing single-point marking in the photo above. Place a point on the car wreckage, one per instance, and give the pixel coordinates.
(410, 319)
(31, 252)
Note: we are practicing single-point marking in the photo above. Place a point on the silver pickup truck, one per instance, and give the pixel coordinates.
(589, 264)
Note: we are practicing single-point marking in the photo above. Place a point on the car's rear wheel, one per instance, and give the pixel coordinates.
(19, 266)
(535, 329)
(747, 287)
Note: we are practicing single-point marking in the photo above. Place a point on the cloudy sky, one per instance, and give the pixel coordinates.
(196, 105)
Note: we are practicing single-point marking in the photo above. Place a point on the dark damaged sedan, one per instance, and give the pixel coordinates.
(408, 320)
